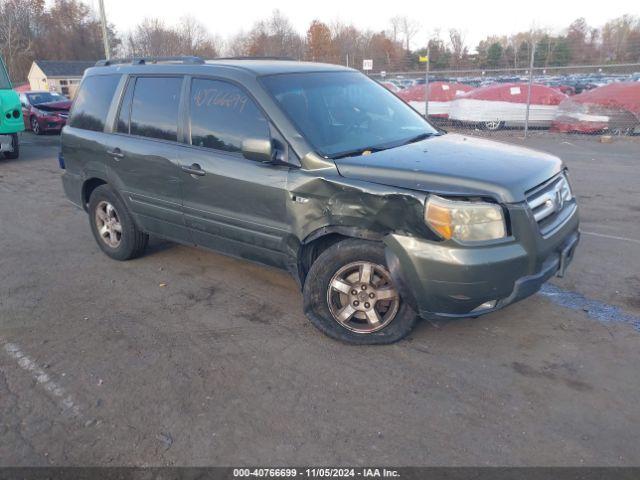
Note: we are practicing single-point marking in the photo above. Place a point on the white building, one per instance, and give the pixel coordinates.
(57, 76)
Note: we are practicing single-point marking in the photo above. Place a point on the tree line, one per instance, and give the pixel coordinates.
(70, 30)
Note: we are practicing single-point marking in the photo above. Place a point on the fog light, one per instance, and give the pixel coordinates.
(485, 306)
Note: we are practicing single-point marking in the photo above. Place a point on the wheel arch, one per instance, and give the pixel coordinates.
(88, 186)
(319, 240)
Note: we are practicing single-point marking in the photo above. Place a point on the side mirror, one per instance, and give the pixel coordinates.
(258, 150)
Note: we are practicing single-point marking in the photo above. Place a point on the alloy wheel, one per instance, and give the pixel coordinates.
(108, 224)
(361, 297)
(35, 126)
(493, 125)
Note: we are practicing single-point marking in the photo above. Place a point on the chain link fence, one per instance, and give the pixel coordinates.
(576, 99)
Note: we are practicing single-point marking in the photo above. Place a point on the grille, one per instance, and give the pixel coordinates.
(551, 203)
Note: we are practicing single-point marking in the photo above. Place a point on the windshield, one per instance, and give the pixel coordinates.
(346, 113)
(44, 97)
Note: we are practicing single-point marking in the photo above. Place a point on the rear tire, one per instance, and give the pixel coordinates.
(113, 227)
(493, 126)
(376, 312)
(16, 148)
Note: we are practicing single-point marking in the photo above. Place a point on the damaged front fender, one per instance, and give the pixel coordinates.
(321, 202)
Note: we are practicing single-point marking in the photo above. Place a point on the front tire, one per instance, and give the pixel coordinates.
(35, 126)
(113, 227)
(349, 295)
(16, 148)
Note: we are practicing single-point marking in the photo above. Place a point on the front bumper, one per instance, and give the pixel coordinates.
(51, 123)
(453, 280)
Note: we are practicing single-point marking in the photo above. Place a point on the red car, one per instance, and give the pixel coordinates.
(44, 111)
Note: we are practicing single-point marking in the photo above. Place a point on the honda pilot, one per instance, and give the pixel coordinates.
(316, 169)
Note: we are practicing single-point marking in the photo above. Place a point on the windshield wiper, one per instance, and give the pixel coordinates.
(418, 138)
(357, 153)
(360, 151)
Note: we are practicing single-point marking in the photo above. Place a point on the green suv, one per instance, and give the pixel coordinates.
(318, 170)
(11, 121)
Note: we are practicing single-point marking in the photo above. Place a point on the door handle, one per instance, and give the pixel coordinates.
(116, 153)
(193, 169)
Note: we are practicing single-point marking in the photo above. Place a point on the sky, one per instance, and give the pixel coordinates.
(476, 19)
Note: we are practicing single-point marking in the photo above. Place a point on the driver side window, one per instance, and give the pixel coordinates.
(222, 116)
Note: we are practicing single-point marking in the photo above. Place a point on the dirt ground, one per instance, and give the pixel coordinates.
(101, 365)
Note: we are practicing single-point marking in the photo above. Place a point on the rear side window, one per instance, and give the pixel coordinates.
(92, 103)
(222, 115)
(154, 109)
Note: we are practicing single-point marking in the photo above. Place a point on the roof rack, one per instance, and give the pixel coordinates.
(256, 58)
(186, 60)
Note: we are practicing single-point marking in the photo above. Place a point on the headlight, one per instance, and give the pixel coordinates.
(565, 188)
(465, 221)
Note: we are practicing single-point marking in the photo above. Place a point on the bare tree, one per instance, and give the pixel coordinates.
(275, 37)
(621, 39)
(408, 28)
(238, 45)
(396, 27)
(17, 34)
(350, 44)
(196, 39)
(458, 48)
(153, 38)
(70, 30)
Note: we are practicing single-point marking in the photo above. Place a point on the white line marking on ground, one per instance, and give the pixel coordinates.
(51, 387)
(612, 237)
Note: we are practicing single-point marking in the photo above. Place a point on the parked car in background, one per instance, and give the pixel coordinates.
(44, 111)
(614, 108)
(505, 105)
(407, 82)
(392, 87)
(441, 94)
(396, 81)
(557, 83)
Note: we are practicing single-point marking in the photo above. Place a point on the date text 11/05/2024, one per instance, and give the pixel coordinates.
(316, 472)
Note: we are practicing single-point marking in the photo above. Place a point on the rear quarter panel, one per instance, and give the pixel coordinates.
(83, 157)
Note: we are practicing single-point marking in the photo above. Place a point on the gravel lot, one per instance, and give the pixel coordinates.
(187, 357)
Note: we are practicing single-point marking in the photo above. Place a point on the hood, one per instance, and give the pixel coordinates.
(456, 165)
(61, 106)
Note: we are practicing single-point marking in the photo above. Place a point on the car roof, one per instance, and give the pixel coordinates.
(270, 67)
(257, 67)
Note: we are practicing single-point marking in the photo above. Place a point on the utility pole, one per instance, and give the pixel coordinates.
(526, 118)
(105, 38)
(426, 84)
